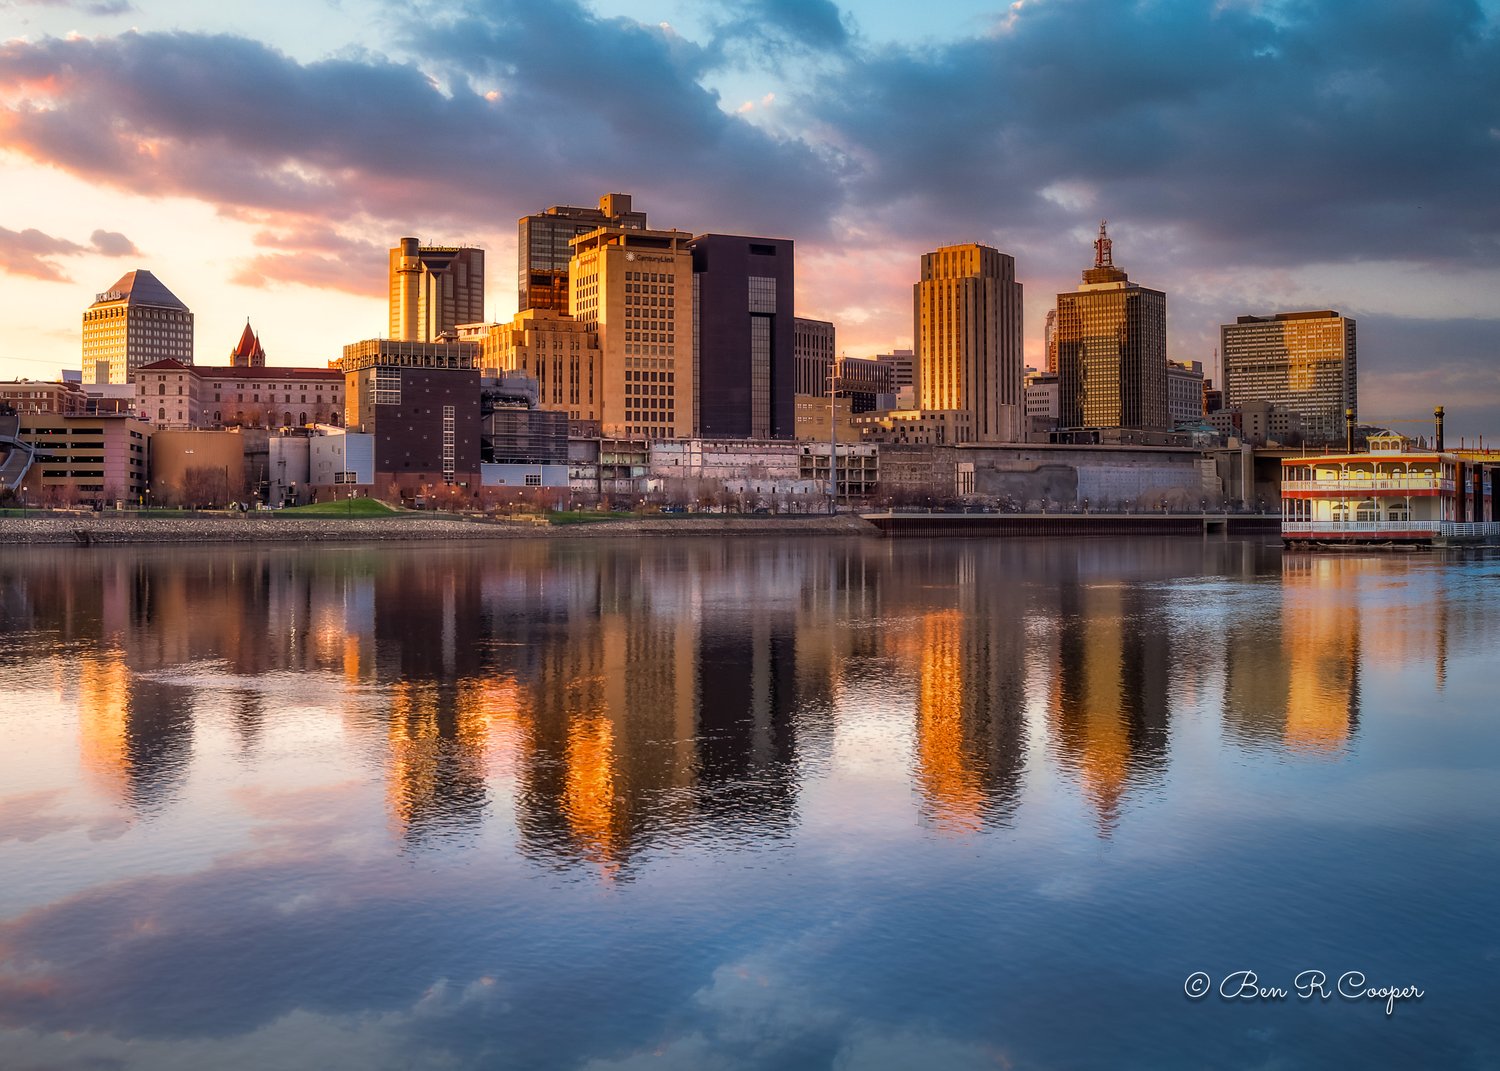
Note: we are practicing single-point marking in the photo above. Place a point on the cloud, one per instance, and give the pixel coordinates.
(31, 253)
(88, 7)
(1221, 140)
(321, 258)
(584, 105)
(1260, 134)
(113, 244)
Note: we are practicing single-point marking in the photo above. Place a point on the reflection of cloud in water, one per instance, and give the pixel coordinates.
(298, 1040)
(757, 1012)
(30, 817)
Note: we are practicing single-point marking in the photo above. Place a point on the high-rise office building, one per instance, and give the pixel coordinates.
(633, 288)
(434, 289)
(133, 323)
(1304, 362)
(1049, 342)
(544, 247)
(967, 330)
(1111, 350)
(812, 344)
(743, 362)
(1185, 393)
(904, 376)
(869, 383)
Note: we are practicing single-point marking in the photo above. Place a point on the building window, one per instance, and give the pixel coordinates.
(762, 294)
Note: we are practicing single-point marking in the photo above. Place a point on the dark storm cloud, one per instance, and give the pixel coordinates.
(576, 105)
(1271, 133)
(1262, 133)
(772, 32)
(611, 104)
(31, 253)
(235, 122)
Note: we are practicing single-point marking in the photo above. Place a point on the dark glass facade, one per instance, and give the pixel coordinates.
(543, 247)
(743, 337)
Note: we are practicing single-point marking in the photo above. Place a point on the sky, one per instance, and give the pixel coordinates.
(1251, 156)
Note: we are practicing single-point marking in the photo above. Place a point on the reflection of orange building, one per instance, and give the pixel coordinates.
(444, 738)
(1109, 707)
(1300, 688)
(946, 769)
(970, 747)
(103, 684)
(613, 701)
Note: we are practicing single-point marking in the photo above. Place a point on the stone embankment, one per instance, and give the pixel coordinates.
(96, 528)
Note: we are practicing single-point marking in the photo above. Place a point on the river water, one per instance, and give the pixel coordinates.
(748, 803)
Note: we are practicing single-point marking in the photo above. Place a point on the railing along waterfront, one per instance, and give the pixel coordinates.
(1358, 486)
(1430, 528)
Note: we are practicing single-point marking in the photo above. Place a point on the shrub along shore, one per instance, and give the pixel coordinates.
(109, 527)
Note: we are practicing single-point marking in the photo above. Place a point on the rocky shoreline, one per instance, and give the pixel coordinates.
(97, 528)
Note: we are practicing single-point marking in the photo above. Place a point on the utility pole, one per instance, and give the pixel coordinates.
(833, 438)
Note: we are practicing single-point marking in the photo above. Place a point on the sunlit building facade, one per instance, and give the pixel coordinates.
(967, 332)
(1111, 350)
(634, 290)
(559, 352)
(434, 289)
(133, 323)
(1305, 362)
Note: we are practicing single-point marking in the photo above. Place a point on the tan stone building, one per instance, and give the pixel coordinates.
(434, 289)
(171, 394)
(559, 352)
(133, 323)
(815, 417)
(634, 290)
(945, 427)
(967, 331)
(197, 467)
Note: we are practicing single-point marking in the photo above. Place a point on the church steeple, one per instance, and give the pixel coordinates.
(248, 353)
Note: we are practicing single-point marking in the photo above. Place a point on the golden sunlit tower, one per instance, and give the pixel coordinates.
(1304, 362)
(1111, 341)
(434, 289)
(134, 323)
(967, 335)
(634, 290)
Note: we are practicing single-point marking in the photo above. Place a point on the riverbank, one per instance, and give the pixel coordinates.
(98, 528)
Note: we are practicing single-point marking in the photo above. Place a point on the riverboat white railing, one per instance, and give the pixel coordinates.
(1451, 529)
(1361, 488)
(1429, 528)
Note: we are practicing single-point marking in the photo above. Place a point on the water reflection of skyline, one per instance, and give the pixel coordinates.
(618, 698)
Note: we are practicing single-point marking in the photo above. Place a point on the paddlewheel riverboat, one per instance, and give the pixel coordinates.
(1396, 493)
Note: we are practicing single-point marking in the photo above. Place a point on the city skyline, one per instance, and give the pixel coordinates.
(271, 159)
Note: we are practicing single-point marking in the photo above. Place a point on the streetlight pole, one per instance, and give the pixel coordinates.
(833, 438)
